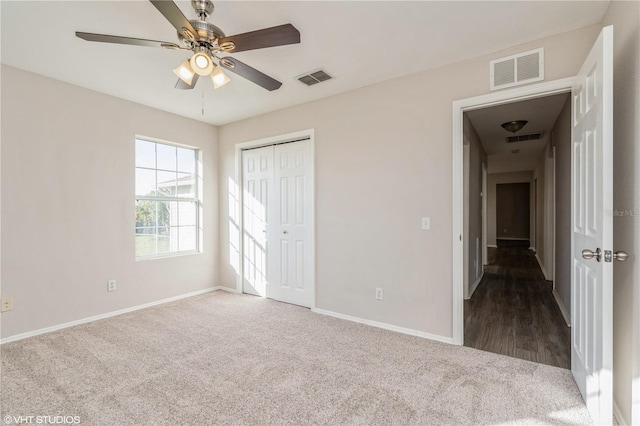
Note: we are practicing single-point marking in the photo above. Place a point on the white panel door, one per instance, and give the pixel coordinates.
(290, 231)
(592, 222)
(257, 184)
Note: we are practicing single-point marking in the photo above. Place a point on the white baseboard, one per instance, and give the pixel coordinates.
(492, 245)
(102, 316)
(618, 415)
(228, 289)
(385, 326)
(563, 308)
(544, 271)
(475, 284)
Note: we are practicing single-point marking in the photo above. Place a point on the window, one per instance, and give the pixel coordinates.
(167, 203)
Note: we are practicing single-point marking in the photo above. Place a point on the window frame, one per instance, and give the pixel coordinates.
(197, 199)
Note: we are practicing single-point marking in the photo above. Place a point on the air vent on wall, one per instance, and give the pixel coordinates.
(518, 69)
(523, 138)
(314, 77)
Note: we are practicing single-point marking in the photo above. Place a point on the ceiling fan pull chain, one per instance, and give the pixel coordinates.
(203, 101)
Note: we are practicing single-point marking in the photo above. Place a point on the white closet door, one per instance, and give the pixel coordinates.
(290, 230)
(257, 184)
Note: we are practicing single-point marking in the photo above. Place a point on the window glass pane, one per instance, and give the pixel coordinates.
(167, 213)
(186, 160)
(145, 241)
(187, 238)
(166, 157)
(167, 184)
(186, 213)
(145, 182)
(173, 232)
(145, 214)
(164, 240)
(186, 187)
(145, 154)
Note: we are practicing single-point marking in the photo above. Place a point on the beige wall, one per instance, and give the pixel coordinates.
(68, 214)
(383, 160)
(563, 257)
(625, 17)
(473, 207)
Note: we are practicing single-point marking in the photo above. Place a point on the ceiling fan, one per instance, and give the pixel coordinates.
(208, 43)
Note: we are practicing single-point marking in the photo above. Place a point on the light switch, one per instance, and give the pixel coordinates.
(426, 223)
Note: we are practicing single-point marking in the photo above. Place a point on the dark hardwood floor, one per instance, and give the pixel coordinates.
(512, 312)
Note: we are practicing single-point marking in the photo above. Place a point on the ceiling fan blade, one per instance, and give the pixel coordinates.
(249, 73)
(268, 37)
(105, 38)
(173, 14)
(184, 86)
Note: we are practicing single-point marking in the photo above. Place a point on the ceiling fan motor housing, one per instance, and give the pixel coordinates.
(207, 34)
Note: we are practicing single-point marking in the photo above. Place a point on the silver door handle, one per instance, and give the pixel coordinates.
(589, 254)
(620, 256)
(284, 232)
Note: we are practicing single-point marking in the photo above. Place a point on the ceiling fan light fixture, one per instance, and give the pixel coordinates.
(201, 63)
(514, 126)
(219, 78)
(185, 72)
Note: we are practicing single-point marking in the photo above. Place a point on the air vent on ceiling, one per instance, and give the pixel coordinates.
(523, 138)
(314, 77)
(517, 69)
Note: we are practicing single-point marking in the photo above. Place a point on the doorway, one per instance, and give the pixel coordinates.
(512, 211)
(591, 189)
(459, 108)
(512, 310)
(277, 218)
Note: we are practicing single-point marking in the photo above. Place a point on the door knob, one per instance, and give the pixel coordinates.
(284, 232)
(620, 256)
(589, 254)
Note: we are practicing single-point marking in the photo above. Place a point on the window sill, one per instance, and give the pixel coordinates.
(168, 255)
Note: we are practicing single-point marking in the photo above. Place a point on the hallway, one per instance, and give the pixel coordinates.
(512, 312)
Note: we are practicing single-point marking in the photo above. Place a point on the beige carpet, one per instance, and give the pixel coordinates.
(230, 359)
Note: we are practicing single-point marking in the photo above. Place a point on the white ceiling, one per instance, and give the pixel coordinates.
(541, 114)
(359, 42)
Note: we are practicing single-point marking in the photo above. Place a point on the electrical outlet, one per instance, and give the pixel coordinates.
(111, 285)
(378, 294)
(7, 304)
(426, 223)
